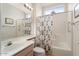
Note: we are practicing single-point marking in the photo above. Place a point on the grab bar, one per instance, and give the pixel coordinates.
(69, 24)
(75, 22)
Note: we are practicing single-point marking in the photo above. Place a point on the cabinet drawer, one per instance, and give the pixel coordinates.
(25, 51)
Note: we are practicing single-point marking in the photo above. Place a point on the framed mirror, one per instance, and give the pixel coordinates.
(76, 11)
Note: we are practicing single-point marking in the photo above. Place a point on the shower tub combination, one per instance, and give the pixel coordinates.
(61, 32)
(62, 44)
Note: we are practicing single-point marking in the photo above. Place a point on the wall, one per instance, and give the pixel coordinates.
(34, 19)
(7, 10)
(38, 10)
(71, 6)
(0, 28)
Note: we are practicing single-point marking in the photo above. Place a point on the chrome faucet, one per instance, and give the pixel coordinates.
(9, 43)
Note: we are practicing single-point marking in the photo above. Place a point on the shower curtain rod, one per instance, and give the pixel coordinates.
(53, 14)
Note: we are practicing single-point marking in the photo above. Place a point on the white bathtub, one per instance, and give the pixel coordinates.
(61, 50)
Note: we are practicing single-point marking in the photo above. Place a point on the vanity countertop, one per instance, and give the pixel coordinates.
(17, 46)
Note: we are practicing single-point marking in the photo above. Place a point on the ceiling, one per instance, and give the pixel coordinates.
(49, 4)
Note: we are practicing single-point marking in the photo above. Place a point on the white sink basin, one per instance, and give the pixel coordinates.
(14, 48)
(11, 48)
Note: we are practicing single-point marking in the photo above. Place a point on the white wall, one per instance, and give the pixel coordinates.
(38, 10)
(0, 25)
(9, 11)
(71, 6)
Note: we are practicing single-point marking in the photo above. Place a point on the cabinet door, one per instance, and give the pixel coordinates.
(26, 52)
(30, 53)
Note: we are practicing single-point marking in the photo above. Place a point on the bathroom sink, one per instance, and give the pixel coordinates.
(14, 48)
(10, 48)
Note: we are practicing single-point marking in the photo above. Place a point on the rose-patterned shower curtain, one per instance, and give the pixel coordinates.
(44, 31)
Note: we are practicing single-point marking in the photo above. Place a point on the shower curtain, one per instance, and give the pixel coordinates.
(44, 31)
(54, 31)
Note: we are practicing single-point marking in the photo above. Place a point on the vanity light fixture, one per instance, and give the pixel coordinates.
(28, 7)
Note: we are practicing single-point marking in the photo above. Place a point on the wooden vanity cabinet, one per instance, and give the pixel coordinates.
(26, 52)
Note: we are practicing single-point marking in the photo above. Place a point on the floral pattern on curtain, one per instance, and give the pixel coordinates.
(44, 31)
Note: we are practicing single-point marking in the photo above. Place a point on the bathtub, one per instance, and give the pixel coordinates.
(61, 50)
